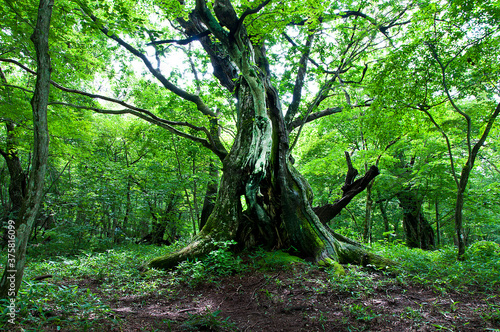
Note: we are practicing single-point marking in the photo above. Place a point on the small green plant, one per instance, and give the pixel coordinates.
(412, 314)
(356, 282)
(492, 313)
(208, 321)
(361, 312)
(219, 262)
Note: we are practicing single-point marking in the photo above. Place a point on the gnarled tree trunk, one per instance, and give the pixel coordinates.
(258, 171)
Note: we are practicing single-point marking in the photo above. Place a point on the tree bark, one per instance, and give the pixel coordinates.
(419, 233)
(14, 269)
(18, 178)
(350, 189)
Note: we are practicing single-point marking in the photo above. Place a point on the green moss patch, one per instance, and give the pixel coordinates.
(274, 259)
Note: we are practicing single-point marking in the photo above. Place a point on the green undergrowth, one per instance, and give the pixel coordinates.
(440, 269)
(219, 263)
(60, 302)
(68, 301)
(65, 307)
(208, 321)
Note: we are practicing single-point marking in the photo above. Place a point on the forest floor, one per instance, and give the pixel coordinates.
(300, 298)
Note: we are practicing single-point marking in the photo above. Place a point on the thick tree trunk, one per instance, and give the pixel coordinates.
(257, 170)
(16, 259)
(419, 233)
(278, 199)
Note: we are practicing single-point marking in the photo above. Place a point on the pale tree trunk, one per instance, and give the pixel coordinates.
(13, 274)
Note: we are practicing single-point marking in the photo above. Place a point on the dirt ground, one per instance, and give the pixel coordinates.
(301, 299)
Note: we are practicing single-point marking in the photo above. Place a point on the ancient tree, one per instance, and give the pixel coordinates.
(258, 170)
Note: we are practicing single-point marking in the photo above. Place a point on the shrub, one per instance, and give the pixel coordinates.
(219, 262)
(483, 250)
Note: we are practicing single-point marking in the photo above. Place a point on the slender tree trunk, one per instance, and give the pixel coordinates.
(14, 269)
(195, 194)
(438, 230)
(383, 212)
(186, 193)
(128, 204)
(210, 195)
(459, 206)
(367, 231)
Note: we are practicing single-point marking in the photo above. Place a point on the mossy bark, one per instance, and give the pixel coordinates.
(278, 199)
(258, 171)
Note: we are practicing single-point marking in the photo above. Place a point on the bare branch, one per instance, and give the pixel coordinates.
(156, 73)
(290, 40)
(299, 81)
(151, 118)
(181, 41)
(17, 87)
(311, 117)
(448, 144)
(443, 67)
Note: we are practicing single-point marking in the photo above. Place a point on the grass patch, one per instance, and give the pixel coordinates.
(440, 268)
